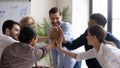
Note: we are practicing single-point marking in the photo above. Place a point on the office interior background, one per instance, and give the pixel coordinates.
(79, 12)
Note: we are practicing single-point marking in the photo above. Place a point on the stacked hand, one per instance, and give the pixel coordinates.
(57, 36)
(55, 33)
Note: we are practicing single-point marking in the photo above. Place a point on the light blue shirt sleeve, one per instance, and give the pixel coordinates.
(67, 29)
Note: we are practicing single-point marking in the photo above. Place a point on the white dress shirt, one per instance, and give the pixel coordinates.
(108, 56)
(4, 42)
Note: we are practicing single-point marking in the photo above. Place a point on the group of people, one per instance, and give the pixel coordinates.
(18, 44)
(17, 47)
(95, 57)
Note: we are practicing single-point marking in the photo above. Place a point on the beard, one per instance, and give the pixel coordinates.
(14, 36)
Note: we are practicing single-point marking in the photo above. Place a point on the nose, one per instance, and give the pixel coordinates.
(55, 20)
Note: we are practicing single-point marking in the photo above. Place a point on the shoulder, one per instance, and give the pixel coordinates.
(111, 51)
(20, 46)
(110, 37)
(108, 34)
(7, 39)
(65, 23)
(19, 49)
(108, 47)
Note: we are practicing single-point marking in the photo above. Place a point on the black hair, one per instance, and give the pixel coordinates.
(54, 10)
(8, 24)
(99, 18)
(27, 34)
(98, 31)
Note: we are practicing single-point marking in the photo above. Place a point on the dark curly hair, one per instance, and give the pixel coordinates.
(27, 34)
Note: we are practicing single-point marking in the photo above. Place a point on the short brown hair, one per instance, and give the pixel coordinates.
(8, 24)
(99, 18)
(55, 10)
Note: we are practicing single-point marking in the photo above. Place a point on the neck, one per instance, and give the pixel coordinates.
(97, 46)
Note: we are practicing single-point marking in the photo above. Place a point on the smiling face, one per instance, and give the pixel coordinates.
(55, 18)
(96, 35)
(13, 32)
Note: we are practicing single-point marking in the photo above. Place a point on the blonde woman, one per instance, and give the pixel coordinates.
(29, 21)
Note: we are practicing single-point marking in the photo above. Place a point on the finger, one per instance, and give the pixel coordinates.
(54, 33)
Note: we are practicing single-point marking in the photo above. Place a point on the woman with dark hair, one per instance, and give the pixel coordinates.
(105, 52)
(23, 54)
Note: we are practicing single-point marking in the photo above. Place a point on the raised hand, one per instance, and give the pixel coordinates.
(57, 34)
(54, 35)
(59, 42)
(61, 35)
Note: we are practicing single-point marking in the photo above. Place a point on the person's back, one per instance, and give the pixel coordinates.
(22, 53)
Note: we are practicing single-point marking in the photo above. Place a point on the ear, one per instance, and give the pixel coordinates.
(31, 41)
(61, 17)
(94, 37)
(7, 31)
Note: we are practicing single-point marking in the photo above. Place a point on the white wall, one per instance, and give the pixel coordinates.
(14, 0)
(40, 9)
(13, 10)
(80, 15)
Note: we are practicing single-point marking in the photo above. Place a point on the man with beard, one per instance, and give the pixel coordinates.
(60, 60)
(11, 32)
